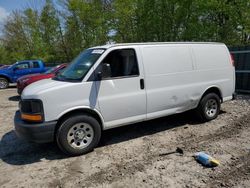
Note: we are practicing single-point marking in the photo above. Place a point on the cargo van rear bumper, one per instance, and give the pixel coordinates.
(34, 132)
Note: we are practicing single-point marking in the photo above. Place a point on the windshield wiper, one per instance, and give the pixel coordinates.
(59, 77)
(63, 78)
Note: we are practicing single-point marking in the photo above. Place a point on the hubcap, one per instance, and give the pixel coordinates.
(3, 84)
(80, 135)
(211, 107)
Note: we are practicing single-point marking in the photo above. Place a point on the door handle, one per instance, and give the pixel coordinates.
(142, 83)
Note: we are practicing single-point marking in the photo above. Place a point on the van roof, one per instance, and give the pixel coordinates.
(154, 43)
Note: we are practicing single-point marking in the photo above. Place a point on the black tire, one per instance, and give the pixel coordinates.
(63, 133)
(203, 111)
(4, 83)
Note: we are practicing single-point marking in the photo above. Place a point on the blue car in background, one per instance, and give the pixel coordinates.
(11, 74)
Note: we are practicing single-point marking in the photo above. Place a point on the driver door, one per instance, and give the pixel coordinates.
(122, 96)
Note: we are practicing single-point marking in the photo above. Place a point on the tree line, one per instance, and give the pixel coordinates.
(61, 29)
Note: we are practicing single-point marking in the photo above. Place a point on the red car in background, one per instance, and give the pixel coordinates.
(29, 79)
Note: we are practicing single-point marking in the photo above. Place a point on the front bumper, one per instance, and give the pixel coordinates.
(19, 90)
(234, 96)
(34, 132)
(20, 86)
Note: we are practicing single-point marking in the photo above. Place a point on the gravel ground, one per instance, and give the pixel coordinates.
(130, 156)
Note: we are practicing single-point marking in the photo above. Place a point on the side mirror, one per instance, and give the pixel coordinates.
(105, 71)
(15, 68)
(58, 72)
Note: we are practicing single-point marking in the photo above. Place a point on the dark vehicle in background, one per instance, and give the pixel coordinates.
(29, 79)
(12, 73)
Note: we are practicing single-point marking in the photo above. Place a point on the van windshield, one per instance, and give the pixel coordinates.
(80, 66)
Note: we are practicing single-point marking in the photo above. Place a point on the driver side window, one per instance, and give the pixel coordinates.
(123, 63)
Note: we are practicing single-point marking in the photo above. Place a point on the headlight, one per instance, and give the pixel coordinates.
(31, 110)
(25, 80)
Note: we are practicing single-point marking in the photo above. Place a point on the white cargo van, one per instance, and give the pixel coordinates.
(119, 84)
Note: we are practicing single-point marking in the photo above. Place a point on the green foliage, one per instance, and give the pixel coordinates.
(59, 34)
(86, 24)
(3, 55)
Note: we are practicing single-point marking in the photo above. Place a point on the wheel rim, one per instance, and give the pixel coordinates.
(80, 135)
(211, 107)
(3, 84)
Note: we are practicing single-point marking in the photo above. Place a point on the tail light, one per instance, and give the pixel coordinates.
(232, 59)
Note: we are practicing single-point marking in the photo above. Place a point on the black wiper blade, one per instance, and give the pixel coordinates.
(71, 80)
(59, 77)
(63, 78)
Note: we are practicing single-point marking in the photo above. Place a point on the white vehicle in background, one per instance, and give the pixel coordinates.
(119, 84)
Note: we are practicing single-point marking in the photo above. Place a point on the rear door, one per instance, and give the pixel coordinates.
(35, 67)
(122, 97)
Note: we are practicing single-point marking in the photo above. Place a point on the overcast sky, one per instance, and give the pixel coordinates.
(3, 13)
(7, 6)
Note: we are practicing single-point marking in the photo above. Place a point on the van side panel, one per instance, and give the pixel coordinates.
(214, 69)
(210, 57)
(170, 85)
(177, 75)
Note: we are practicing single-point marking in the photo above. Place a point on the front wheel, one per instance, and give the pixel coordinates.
(209, 107)
(4, 83)
(78, 135)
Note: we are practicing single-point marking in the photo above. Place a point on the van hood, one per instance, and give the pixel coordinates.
(34, 90)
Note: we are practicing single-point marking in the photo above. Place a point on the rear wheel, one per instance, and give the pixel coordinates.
(4, 83)
(78, 135)
(209, 107)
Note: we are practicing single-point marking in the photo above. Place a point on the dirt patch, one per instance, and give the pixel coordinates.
(130, 156)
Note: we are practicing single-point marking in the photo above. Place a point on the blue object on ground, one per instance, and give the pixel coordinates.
(206, 160)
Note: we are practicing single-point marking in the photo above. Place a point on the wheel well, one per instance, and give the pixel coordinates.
(213, 90)
(79, 111)
(2, 76)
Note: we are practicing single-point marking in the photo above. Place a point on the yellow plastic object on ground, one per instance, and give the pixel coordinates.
(206, 160)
